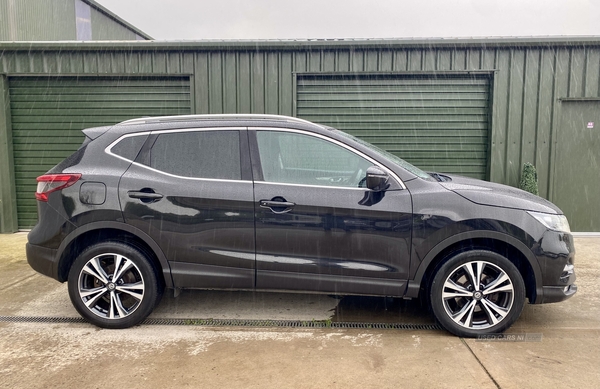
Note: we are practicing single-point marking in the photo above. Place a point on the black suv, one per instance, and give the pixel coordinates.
(264, 202)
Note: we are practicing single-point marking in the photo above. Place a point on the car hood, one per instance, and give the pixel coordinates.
(498, 195)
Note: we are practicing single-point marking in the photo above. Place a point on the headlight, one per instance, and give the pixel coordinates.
(553, 222)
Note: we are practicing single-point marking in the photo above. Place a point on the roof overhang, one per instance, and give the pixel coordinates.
(311, 44)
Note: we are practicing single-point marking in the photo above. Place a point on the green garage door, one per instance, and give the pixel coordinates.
(48, 114)
(436, 123)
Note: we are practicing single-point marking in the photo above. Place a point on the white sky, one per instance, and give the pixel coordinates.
(286, 19)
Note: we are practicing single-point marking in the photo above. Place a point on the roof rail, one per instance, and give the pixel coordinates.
(159, 119)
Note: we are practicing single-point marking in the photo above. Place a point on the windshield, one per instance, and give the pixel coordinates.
(394, 158)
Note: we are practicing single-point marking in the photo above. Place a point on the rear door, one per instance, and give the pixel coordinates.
(317, 227)
(191, 191)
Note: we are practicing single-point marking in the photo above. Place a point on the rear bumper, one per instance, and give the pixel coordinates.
(43, 260)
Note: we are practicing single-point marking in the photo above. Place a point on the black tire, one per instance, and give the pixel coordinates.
(114, 303)
(490, 308)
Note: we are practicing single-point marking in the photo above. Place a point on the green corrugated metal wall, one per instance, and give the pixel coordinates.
(37, 20)
(54, 20)
(105, 28)
(48, 115)
(526, 79)
(437, 123)
(579, 151)
(526, 85)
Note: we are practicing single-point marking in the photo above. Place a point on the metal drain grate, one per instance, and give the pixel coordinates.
(237, 323)
(40, 319)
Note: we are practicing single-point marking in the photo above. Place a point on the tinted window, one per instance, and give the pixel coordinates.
(302, 159)
(199, 154)
(129, 148)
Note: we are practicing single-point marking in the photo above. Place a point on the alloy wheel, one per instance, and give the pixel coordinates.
(478, 295)
(111, 286)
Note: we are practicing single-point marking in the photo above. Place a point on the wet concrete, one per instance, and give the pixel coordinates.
(562, 349)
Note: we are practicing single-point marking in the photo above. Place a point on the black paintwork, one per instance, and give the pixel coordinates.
(336, 238)
(217, 234)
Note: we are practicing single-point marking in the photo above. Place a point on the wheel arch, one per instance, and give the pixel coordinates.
(515, 251)
(96, 232)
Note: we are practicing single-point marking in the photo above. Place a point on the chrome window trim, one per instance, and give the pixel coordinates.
(188, 178)
(313, 186)
(109, 151)
(334, 141)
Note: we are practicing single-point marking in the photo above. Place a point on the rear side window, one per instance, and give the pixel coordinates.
(199, 154)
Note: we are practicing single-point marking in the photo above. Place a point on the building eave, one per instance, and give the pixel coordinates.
(311, 44)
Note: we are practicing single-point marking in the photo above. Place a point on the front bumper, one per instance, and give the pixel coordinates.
(556, 255)
(43, 260)
(554, 294)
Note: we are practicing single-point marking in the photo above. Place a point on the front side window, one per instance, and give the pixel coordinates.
(198, 154)
(293, 158)
(386, 154)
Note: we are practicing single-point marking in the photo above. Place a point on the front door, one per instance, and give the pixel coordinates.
(191, 191)
(317, 227)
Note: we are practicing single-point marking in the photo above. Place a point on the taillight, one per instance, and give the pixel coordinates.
(49, 183)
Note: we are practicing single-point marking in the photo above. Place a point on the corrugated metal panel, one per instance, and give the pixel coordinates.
(135, 63)
(116, 20)
(577, 188)
(37, 20)
(45, 20)
(48, 115)
(8, 200)
(437, 123)
(105, 28)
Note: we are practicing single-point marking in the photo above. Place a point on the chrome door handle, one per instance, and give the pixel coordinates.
(278, 207)
(145, 195)
(269, 204)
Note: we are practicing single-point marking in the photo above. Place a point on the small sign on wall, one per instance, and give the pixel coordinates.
(590, 125)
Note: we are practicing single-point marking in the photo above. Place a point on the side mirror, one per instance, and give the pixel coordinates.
(377, 179)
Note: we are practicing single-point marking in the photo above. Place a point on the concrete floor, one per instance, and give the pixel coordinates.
(35, 355)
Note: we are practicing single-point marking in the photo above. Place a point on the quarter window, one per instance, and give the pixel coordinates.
(129, 147)
(288, 157)
(198, 154)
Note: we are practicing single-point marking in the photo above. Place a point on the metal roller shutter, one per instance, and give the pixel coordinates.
(48, 114)
(436, 123)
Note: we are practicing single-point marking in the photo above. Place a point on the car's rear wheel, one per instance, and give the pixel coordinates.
(114, 285)
(477, 292)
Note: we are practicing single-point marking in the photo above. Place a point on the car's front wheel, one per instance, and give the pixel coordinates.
(113, 285)
(477, 292)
